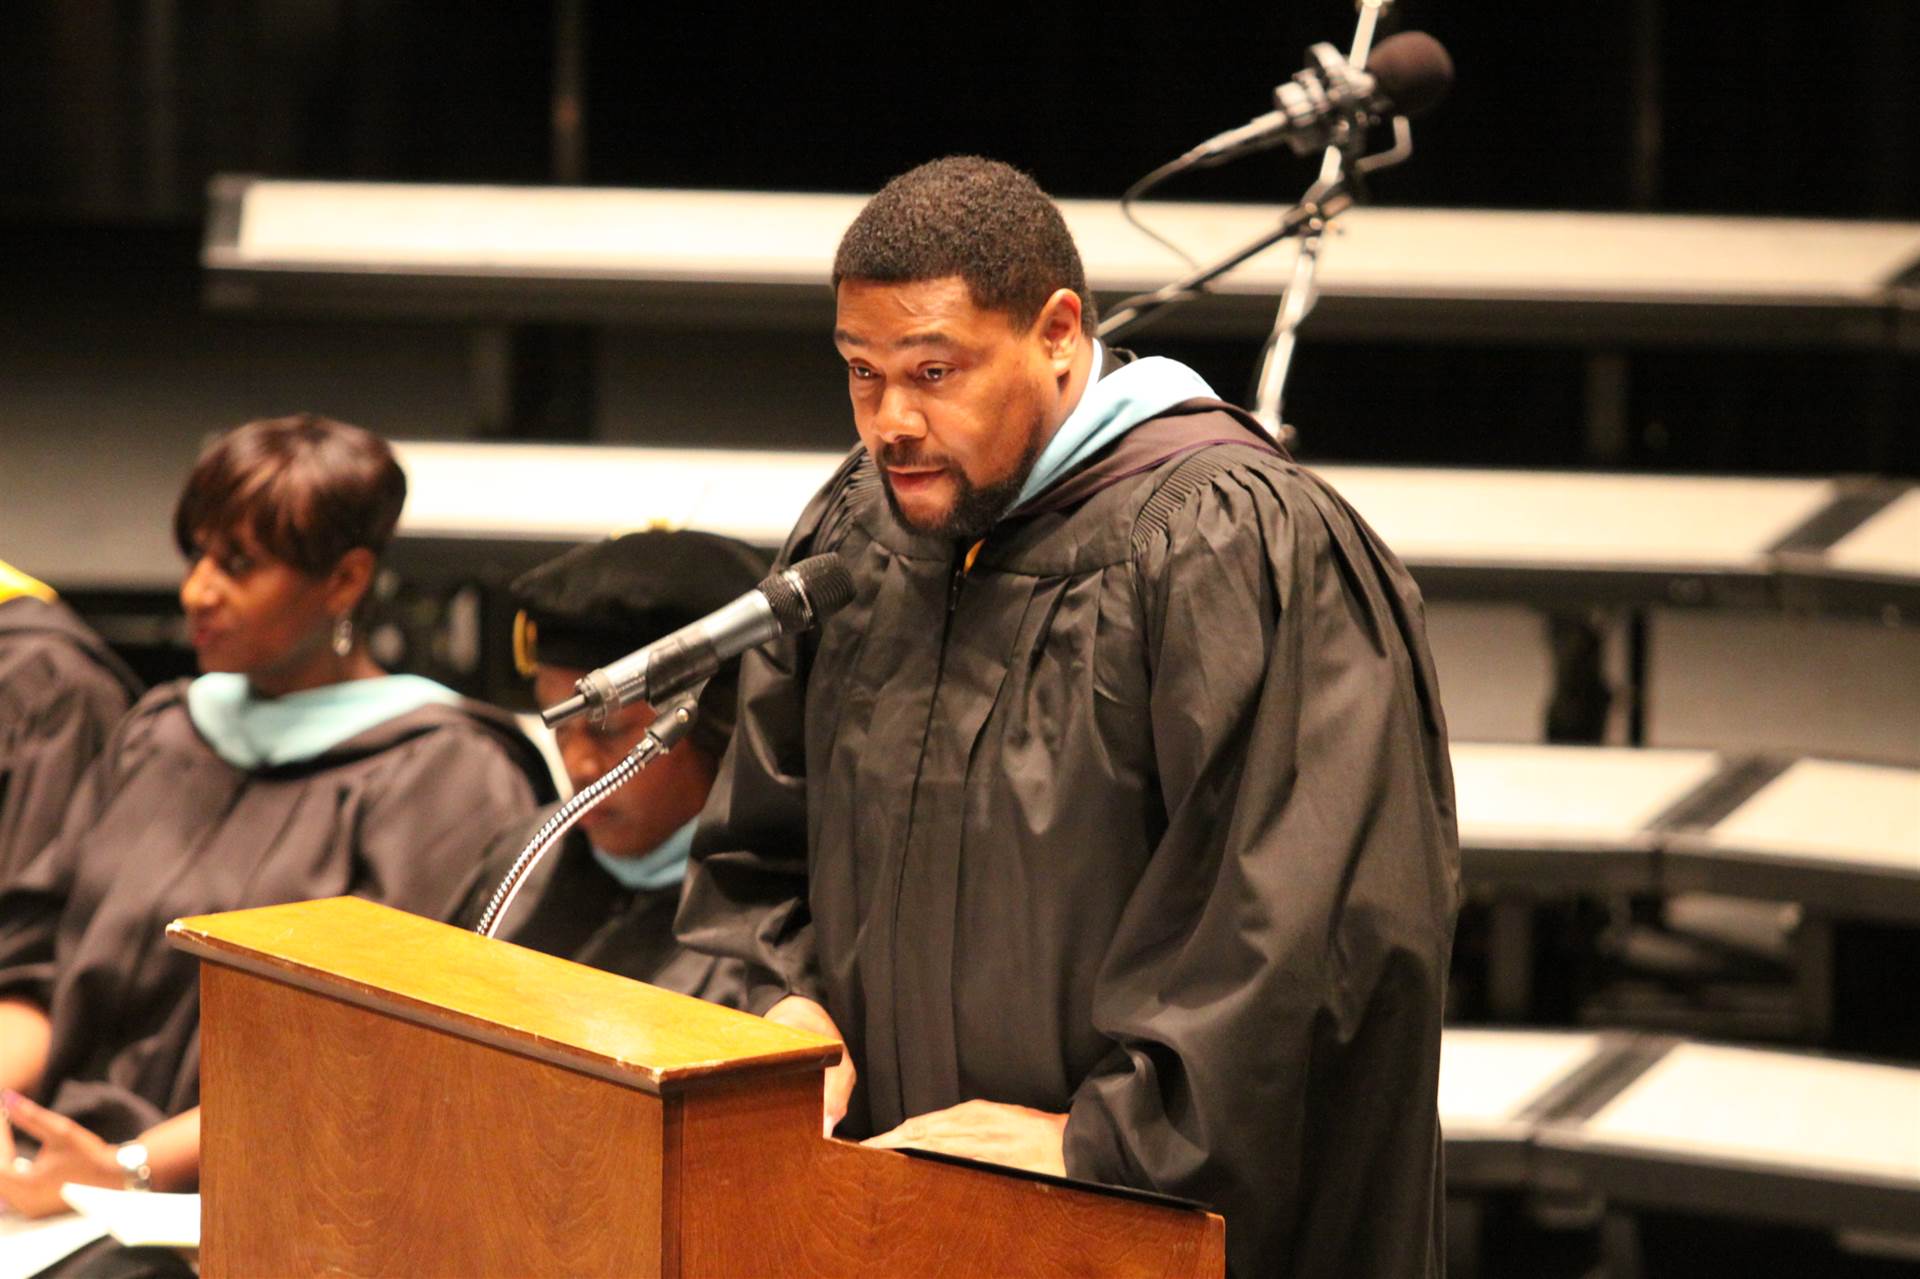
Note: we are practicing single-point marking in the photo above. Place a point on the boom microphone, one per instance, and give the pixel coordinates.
(790, 601)
(1406, 75)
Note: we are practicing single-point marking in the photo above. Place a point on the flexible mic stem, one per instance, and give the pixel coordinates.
(669, 727)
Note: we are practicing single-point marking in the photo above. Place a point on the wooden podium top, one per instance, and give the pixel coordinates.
(454, 980)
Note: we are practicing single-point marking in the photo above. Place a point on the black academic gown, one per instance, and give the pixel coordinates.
(1147, 818)
(61, 692)
(569, 906)
(162, 827)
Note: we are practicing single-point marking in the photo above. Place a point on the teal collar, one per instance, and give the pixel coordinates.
(252, 732)
(664, 867)
(1110, 406)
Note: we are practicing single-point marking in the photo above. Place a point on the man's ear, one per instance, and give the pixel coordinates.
(1057, 329)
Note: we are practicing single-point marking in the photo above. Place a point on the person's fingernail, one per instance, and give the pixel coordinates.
(9, 1099)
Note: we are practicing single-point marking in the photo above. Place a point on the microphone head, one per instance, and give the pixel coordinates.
(1413, 72)
(805, 594)
(827, 584)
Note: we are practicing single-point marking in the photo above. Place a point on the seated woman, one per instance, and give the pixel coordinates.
(606, 896)
(293, 768)
(61, 692)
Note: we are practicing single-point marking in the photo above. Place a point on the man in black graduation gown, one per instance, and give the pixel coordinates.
(606, 896)
(61, 692)
(1111, 824)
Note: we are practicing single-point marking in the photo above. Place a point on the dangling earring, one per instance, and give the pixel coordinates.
(342, 636)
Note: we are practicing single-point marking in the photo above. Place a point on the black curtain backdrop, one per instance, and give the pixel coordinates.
(113, 115)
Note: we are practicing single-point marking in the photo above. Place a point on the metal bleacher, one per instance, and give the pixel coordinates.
(1839, 840)
(1635, 1121)
(1541, 537)
(733, 258)
(1842, 839)
(1623, 1118)
(1618, 817)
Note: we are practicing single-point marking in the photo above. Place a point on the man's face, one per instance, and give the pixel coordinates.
(952, 401)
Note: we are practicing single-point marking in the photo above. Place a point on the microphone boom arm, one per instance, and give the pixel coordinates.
(1339, 169)
(1320, 202)
(1138, 309)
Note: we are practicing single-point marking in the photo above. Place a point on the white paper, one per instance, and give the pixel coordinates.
(139, 1218)
(28, 1247)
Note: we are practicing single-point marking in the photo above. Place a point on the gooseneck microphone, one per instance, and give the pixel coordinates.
(1406, 75)
(792, 600)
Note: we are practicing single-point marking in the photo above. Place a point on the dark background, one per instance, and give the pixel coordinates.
(114, 115)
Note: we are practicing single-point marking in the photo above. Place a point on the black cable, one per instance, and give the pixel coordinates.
(1172, 168)
(1140, 188)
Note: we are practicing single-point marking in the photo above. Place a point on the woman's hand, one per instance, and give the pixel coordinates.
(68, 1152)
(26, 1036)
(802, 1013)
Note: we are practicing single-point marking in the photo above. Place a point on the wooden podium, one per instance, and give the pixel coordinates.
(384, 1095)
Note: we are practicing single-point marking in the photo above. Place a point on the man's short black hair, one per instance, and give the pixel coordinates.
(984, 221)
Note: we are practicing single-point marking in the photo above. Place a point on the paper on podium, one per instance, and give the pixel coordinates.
(29, 1246)
(139, 1218)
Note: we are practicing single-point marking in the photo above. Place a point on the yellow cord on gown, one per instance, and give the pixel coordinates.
(14, 583)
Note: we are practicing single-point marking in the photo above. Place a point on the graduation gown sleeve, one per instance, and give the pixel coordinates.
(1274, 988)
(33, 900)
(57, 708)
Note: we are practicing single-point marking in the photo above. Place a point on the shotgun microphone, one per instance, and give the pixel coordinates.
(1406, 75)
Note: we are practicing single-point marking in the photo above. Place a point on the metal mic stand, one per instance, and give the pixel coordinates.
(1297, 299)
(1296, 302)
(1341, 182)
(669, 726)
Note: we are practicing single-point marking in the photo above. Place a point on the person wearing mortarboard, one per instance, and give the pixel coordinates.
(606, 896)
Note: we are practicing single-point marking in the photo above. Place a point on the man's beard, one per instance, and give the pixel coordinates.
(976, 508)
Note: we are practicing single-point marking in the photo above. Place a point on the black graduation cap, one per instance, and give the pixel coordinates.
(601, 601)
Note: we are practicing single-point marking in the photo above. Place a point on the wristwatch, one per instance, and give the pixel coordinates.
(132, 1158)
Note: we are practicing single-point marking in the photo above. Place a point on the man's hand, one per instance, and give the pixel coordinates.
(1016, 1136)
(802, 1013)
(68, 1152)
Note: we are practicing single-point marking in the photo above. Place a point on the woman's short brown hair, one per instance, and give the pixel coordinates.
(309, 489)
